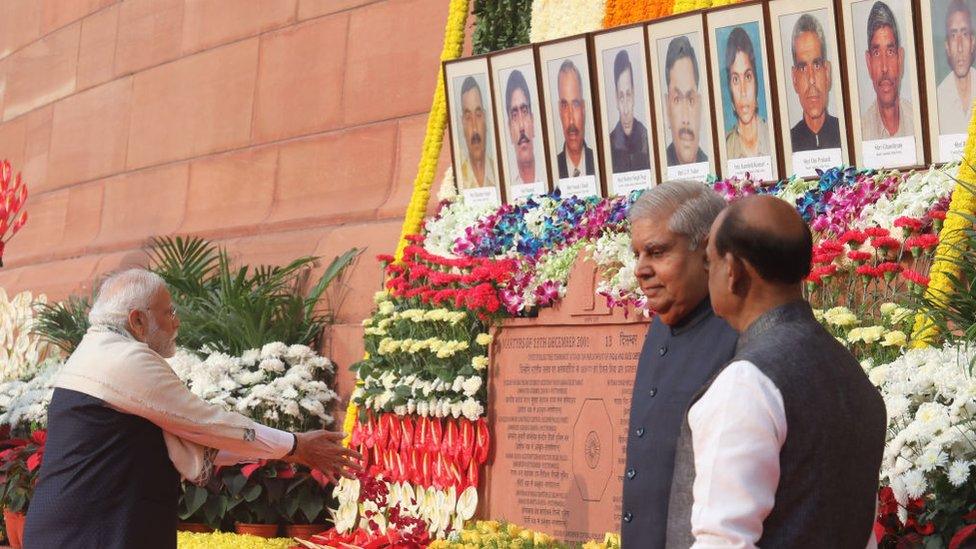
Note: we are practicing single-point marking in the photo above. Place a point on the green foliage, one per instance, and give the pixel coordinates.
(63, 324)
(230, 309)
(203, 504)
(305, 500)
(500, 24)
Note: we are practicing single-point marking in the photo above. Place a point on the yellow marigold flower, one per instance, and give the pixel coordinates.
(872, 334)
(895, 338)
(386, 308)
(513, 530)
(483, 339)
(888, 308)
(381, 296)
(487, 526)
(479, 362)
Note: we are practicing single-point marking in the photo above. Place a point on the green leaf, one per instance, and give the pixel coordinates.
(251, 493)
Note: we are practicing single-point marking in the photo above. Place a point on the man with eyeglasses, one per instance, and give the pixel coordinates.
(956, 91)
(889, 115)
(683, 100)
(812, 80)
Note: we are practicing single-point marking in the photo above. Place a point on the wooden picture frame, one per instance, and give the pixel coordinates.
(875, 143)
(458, 74)
(693, 155)
(520, 119)
(566, 114)
(949, 114)
(743, 28)
(810, 88)
(622, 86)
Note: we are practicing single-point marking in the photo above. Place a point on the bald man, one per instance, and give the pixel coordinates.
(791, 430)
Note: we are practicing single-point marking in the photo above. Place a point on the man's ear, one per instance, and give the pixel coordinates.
(738, 281)
(138, 323)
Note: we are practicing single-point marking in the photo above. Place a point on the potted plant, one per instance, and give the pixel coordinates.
(19, 465)
(253, 493)
(304, 506)
(202, 508)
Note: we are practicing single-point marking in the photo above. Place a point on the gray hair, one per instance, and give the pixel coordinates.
(122, 293)
(881, 16)
(809, 23)
(692, 205)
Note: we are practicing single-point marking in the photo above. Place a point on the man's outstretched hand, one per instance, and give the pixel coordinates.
(323, 450)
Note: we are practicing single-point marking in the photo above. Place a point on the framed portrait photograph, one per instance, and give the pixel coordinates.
(808, 86)
(571, 122)
(681, 87)
(743, 104)
(519, 115)
(474, 153)
(949, 43)
(625, 113)
(883, 83)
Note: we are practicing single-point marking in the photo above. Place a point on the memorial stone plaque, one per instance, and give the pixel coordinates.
(559, 403)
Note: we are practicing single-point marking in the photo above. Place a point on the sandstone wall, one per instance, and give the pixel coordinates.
(277, 128)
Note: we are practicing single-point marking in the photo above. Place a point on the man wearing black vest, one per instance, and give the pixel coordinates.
(686, 343)
(788, 437)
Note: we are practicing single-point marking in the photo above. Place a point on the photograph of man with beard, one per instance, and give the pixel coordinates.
(888, 114)
(576, 158)
(477, 167)
(749, 135)
(683, 103)
(957, 89)
(811, 78)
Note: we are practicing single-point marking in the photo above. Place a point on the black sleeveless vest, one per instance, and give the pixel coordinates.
(836, 423)
(106, 481)
(674, 364)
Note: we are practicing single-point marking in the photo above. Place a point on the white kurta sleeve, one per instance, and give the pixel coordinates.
(738, 427)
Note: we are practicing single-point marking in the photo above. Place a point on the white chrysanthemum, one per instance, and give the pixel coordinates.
(931, 458)
(471, 385)
(274, 350)
(273, 365)
(915, 483)
(959, 472)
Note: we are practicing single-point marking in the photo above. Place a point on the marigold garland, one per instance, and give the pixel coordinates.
(947, 254)
(433, 141)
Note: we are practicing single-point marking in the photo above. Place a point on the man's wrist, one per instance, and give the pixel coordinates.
(294, 445)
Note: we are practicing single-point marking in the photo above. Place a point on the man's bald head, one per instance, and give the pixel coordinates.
(770, 235)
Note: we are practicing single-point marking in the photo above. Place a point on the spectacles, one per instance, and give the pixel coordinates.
(169, 311)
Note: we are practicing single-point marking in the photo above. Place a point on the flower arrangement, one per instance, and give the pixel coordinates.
(553, 19)
(22, 350)
(495, 534)
(424, 451)
(13, 197)
(224, 540)
(23, 404)
(279, 385)
(372, 508)
(929, 453)
(19, 464)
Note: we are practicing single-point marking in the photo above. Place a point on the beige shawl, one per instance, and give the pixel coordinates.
(130, 377)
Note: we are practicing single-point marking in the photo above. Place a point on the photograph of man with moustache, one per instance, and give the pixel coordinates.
(521, 127)
(477, 167)
(817, 129)
(958, 88)
(576, 157)
(683, 103)
(889, 114)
